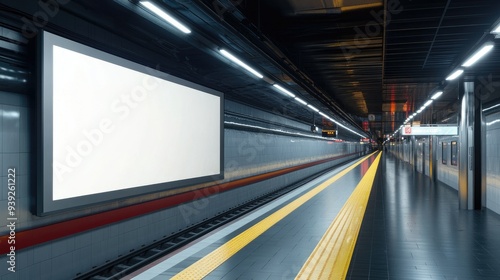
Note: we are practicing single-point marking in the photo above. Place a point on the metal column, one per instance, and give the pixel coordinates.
(463, 132)
(433, 146)
(480, 155)
(423, 157)
(413, 153)
(471, 179)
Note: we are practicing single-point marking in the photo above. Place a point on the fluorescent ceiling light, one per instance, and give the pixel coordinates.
(241, 63)
(429, 102)
(159, 12)
(455, 75)
(414, 114)
(355, 132)
(478, 55)
(497, 29)
(436, 95)
(411, 117)
(300, 100)
(324, 115)
(420, 110)
(331, 119)
(313, 108)
(345, 127)
(280, 88)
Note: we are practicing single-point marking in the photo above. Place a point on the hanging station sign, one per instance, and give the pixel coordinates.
(329, 133)
(427, 131)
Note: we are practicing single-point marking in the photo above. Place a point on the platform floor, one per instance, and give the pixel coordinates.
(412, 229)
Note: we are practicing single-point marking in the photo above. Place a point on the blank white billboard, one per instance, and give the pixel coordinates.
(113, 129)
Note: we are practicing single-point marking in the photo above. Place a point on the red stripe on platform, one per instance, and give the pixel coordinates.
(32, 237)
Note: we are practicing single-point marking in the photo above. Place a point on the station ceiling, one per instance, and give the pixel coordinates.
(378, 57)
(348, 58)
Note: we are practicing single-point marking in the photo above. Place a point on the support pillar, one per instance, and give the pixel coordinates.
(413, 152)
(480, 155)
(432, 158)
(472, 185)
(423, 157)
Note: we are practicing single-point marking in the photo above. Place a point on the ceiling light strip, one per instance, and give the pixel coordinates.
(455, 75)
(241, 63)
(162, 14)
(283, 90)
(339, 124)
(301, 101)
(437, 95)
(496, 30)
(313, 108)
(478, 55)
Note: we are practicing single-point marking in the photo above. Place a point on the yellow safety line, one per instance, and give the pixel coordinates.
(332, 256)
(210, 262)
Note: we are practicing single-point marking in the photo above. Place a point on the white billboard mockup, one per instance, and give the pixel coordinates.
(112, 128)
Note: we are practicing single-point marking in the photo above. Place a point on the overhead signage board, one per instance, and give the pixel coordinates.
(329, 133)
(428, 131)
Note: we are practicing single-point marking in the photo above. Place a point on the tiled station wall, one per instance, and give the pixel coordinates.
(247, 153)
